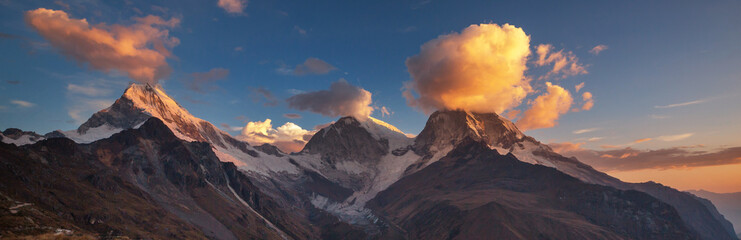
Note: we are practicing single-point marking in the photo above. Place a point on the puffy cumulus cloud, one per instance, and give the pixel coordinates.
(342, 99)
(546, 109)
(597, 49)
(480, 69)
(289, 137)
(139, 50)
(312, 66)
(233, 6)
(565, 63)
(628, 159)
(200, 81)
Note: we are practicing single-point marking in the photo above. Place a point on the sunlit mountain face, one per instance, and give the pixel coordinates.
(237, 119)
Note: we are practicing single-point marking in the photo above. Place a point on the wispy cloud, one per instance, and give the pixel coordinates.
(233, 6)
(299, 30)
(202, 81)
(565, 63)
(23, 104)
(231, 128)
(89, 91)
(580, 131)
(597, 49)
(672, 138)
(654, 116)
(642, 140)
(682, 104)
(260, 93)
(579, 86)
(292, 115)
(312, 66)
(628, 159)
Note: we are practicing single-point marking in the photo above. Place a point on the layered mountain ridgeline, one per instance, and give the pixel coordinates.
(476, 193)
(219, 187)
(140, 183)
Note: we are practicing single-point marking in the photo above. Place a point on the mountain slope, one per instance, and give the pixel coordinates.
(114, 185)
(729, 204)
(446, 129)
(475, 193)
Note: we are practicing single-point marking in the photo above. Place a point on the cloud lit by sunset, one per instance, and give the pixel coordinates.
(139, 50)
(290, 119)
(480, 69)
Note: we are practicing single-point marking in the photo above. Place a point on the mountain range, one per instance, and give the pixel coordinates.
(146, 168)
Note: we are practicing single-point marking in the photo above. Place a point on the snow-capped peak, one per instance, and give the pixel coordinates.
(154, 101)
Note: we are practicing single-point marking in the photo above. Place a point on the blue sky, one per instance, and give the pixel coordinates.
(660, 53)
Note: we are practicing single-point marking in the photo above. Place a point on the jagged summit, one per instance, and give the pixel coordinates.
(138, 103)
(356, 139)
(447, 128)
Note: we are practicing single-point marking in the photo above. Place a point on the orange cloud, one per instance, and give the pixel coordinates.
(565, 147)
(579, 86)
(288, 138)
(233, 6)
(546, 109)
(565, 64)
(139, 50)
(642, 140)
(480, 69)
(597, 49)
(588, 101)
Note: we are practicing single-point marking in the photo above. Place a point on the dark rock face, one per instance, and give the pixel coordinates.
(15, 133)
(729, 204)
(346, 140)
(270, 149)
(145, 183)
(475, 193)
(122, 114)
(698, 213)
(450, 127)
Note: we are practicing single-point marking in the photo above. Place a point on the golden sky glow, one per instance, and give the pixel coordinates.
(721, 179)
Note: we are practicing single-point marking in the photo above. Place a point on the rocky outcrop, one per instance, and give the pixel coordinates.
(346, 140)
